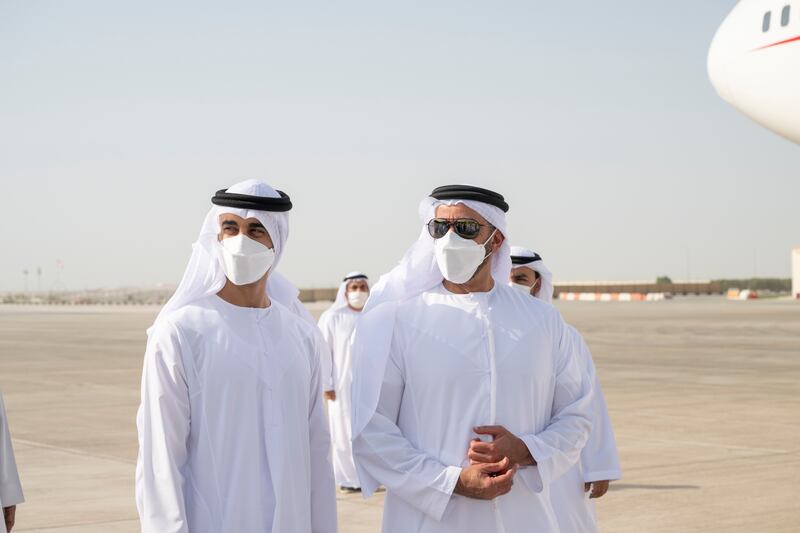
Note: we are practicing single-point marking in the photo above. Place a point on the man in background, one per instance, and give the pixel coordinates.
(10, 486)
(588, 479)
(337, 324)
(529, 274)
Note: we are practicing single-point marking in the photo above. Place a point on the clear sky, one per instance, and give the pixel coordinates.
(118, 120)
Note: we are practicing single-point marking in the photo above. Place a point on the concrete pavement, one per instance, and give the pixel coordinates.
(704, 395)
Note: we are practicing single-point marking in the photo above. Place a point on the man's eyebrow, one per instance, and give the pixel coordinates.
(229, 223)
(257, 225)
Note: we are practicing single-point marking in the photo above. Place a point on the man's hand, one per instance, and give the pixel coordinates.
(486, 481)
(503, 444)
(8, 515)
(599, 488)
(329, 395)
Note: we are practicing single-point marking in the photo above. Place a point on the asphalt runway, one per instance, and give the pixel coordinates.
(704, 394)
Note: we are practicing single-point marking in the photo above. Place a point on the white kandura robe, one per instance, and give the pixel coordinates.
(337, 328)
(599, 459)
(232, 431)
(458, 361)
(10, 487)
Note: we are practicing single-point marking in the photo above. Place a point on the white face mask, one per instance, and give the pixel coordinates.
(357, 299)
(459, 258)
(245, 260)
(521, 286)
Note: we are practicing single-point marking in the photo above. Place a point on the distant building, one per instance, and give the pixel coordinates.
(796, 273)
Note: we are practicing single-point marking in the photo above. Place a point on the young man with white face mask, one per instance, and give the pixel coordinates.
(232, 430)
(337, 324)
(599, 464)
(445, 413)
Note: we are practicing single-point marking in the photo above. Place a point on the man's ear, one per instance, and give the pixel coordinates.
(497, 241)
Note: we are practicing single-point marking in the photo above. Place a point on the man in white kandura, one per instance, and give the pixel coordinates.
(232, 430)
(337, 325)
(468, 401)
(10, 487)
(599, 464)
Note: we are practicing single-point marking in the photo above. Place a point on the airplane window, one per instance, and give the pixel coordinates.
(765, 23)
(785, 15)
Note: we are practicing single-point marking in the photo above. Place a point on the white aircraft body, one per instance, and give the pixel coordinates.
(753, 63)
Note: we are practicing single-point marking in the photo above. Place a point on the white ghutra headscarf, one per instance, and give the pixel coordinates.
(341, 295)
(418, 272)
(204, 275)
(536, 264)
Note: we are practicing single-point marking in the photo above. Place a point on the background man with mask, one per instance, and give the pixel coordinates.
(445, 413)
(232, 431)
(590, 477)
(10, 487)
(529, 274)
(337, 324)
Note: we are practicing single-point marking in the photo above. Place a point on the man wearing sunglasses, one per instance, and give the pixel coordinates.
(599, 463)
(467, 397)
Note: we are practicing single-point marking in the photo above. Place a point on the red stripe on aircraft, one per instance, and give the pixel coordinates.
(793, 39)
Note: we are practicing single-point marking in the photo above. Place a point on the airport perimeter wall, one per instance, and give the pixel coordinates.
(677, 288)
(569, 290)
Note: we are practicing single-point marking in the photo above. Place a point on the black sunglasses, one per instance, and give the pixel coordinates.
(464, 227)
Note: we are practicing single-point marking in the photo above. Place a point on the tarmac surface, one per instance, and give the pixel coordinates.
(704, 394)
